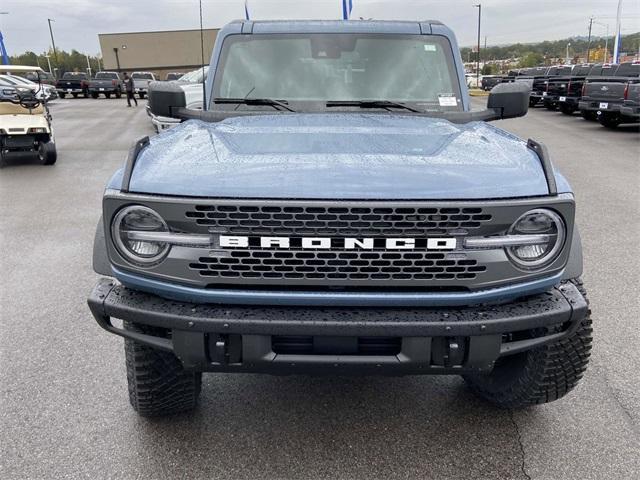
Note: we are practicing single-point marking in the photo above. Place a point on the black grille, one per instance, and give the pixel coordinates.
(322, 265)
(309, 345)
(326, 220)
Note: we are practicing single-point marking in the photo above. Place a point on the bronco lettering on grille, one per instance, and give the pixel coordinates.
(346, 243)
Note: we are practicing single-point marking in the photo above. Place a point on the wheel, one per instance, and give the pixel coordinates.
(541, 375)
(141, 95)
(107, 95)
(550, 106)
(118, 93)
(533, 102)
(567, 109)
(75, 95)
(158, 384)
(609, 121)
(47, 153)
(62, 94)
(589, 115)
(94, 95)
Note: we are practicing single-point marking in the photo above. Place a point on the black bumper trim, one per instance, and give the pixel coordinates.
(195, 328)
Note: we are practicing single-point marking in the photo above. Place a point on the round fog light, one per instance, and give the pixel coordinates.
(133, 220)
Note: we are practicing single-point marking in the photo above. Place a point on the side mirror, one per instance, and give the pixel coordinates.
(509, 100)
(165, 99)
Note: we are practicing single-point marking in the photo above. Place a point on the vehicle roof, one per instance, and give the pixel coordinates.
(19, 68)
(336, 26)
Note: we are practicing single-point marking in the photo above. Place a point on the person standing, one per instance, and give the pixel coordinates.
(128, 86)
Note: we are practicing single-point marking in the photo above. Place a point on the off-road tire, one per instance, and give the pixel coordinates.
(589, 115)
(541, 375)
(158, 384)
(609, 121)
(567, 109)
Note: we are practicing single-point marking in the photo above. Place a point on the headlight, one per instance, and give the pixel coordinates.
(128, 229)
(550, 227)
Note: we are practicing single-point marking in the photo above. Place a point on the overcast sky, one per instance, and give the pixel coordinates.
(77, 22)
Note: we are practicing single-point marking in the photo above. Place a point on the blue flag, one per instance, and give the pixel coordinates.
(3, 51)
(347, 6)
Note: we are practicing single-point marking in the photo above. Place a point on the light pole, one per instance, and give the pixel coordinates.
(48, 62)
(606, 41)
(567, 57)
(88, 65)
(616, 45)
(479, 6)
(53, 43)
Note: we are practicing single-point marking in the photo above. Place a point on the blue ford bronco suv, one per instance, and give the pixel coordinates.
(339, 208)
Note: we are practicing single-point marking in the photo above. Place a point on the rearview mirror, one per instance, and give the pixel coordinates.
(510, 99)
(165, 99)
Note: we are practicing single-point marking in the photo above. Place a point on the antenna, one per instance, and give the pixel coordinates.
(204, 86)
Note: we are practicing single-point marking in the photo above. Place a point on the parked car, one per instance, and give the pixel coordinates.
(490, 81)
(558, 86)
(173, 76)
(74, 84)
(42, 92)
(630, 109)
(602, 97)
(44, 77)
(558, 71)
(107, 84)
(141, 82)
(191, 84)
(330, 215)
(535, 78)
(25, 122)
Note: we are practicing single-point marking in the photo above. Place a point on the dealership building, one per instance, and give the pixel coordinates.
(157, 52)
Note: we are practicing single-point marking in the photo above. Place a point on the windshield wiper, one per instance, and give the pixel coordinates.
(254, 101)
(371, 104)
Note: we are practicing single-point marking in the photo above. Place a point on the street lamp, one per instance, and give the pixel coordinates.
(49, 62)
(479, 6)
(53, 43)
(567, 57)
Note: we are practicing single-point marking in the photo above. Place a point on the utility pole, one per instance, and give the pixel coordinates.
(49, 63)
(478, 58)
(53, 43)
(589, 41)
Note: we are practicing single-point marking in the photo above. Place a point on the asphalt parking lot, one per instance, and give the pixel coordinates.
(64, 411)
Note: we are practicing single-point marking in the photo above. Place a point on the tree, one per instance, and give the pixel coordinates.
(73, 61)
(531, 59)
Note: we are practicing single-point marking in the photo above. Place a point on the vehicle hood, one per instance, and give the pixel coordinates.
(338, 156)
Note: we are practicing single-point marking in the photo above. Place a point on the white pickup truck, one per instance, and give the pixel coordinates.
(191, 83)
(141, 81)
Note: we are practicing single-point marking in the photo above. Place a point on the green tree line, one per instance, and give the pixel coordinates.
(532, 54)
(63, 61)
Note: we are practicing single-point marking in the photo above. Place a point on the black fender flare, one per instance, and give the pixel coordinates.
(574, 266)
(101, 264)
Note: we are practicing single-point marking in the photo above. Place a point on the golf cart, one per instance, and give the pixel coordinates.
(25, 122)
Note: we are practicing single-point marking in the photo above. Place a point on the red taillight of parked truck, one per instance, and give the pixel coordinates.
(626, 92)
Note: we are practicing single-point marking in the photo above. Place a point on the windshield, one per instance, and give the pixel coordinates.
(74, 76)
(143, 76)
(106, 76)
(7, 80)
(340, 67)
(195, 76)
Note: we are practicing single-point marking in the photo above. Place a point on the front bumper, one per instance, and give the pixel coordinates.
(429, 340)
